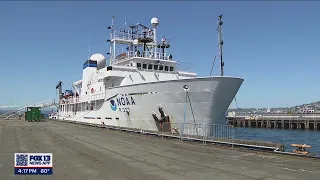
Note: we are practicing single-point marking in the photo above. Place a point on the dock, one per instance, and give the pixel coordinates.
(89, 152)
(307, 122)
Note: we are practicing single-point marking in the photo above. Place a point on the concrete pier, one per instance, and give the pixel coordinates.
(83, 152)
(282, 122)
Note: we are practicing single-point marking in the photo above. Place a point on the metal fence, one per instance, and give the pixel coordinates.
(205, 132)
(220, 133)
(208, 133)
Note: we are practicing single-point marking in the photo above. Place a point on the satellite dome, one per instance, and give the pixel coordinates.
(101, 60)
(155, 21)
(97, 57)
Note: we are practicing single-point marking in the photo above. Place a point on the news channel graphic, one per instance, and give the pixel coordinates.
(33, 163)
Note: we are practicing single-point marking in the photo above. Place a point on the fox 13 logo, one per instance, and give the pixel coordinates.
(33, 163)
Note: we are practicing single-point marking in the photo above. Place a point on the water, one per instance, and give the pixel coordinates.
(283, 136)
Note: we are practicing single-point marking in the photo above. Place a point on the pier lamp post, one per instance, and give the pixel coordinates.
(186, 89)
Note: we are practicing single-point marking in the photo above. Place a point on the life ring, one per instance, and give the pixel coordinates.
(92, 90)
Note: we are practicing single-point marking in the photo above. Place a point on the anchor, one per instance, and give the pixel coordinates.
(163, 118)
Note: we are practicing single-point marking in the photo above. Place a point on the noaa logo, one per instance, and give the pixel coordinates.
(113, 105)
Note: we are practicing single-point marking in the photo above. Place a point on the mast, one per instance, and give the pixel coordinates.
(220, 44)
(155, 23)
(112, 43)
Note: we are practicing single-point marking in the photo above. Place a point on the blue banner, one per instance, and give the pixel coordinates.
(33, 170)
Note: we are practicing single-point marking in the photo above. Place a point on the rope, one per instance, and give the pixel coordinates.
(235, 99)
(214, 60)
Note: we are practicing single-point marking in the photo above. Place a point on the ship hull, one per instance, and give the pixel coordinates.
(137, 106)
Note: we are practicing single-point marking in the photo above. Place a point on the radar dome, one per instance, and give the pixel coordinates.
(101, 60)
(97, 57)
(155, 21)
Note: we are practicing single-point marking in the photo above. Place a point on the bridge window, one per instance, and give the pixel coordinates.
(161, 68)
(150, 66)
(171, 68)
(155, 67)
(144, 66)
(166, 68)
(139, 66)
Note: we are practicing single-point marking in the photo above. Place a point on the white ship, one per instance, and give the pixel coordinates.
(139, 86)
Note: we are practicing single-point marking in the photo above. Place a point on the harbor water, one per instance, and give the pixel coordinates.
(284, 136)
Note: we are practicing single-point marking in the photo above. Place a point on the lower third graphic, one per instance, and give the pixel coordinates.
(33, 163)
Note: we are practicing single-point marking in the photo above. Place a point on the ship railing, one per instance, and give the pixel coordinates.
(116, 35)
(93, 97)
(121, 36)
(141, 54)
(127, 37)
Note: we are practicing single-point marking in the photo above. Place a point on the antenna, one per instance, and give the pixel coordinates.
(114, 43)
(111, 49)
(89, 49)
(113, 17)
(220, 43)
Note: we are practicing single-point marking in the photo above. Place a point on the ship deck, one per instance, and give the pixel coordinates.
(85, 152)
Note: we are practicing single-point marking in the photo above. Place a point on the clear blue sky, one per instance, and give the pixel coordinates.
(274, 46)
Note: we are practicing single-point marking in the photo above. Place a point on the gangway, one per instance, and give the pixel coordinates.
(21, 110)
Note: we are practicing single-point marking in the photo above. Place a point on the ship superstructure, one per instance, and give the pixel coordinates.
(139, 85)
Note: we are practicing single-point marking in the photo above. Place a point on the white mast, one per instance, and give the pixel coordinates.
(112, 54)
(114, 42)
(155, 23)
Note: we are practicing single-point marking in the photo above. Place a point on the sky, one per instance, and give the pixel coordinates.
(273, 45)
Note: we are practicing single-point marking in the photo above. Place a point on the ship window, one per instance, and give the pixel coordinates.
(166, 68)
(144, 66)
(92, 62)
(171, 68)
(139, 65)
(161, 68)
(155, 67)
(150, 66)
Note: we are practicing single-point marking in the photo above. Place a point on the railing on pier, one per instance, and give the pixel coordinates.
(205, 133)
